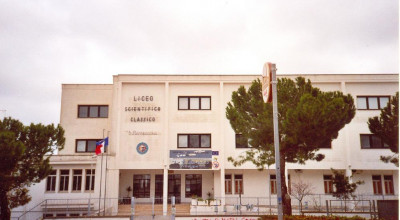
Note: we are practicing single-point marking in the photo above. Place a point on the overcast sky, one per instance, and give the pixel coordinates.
(46, 43)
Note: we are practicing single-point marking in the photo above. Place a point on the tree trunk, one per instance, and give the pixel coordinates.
(5, 213)
(286, 201)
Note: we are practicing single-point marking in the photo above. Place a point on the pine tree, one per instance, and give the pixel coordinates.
(24, 159)
(344, 189)
(386, 127)
(308, 120)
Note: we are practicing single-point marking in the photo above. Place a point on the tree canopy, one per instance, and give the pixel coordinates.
(23, 159)
(309, 119)
(344, 189)
(386, 127)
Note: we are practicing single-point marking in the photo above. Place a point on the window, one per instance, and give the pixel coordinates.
(272, 181)
(372, 102)
(238, 184)
(194, 140)
(194, 103)
(64, 180)
(92, 111)
(89, 180)
(377, 184)
(141, 186)
(241, 142)
(77, 180)
(328, 184)
(388, 181)
(369, 141)
(192, 185)
(51, 181)
(86, 145)
(228, 184)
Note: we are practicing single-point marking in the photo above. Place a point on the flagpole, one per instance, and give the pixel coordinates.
(105, 179)
(101, 175)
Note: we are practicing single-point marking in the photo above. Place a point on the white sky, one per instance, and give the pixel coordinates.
(46, 43)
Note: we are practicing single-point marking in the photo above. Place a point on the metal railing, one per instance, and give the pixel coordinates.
(321, 204)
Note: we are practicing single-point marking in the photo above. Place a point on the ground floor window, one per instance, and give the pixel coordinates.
(272, 183)
(141, 186)
(89, 180)
(388, 180)
(193, 185)
(377, 184)
(51, 181)
(228, 184)
(238, 184)
(64, 180)
(77, 180)
(328, 184)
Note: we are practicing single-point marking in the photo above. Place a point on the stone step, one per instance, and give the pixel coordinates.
(146, 209)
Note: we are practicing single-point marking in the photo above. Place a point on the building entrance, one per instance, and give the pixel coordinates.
(174, 188)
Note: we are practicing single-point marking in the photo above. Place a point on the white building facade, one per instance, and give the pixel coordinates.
(169, 136)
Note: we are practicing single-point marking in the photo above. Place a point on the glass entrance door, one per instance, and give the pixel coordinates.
(174, 188)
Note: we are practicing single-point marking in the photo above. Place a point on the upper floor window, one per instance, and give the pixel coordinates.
(194, 140)
(194, 103)
(372, 102)
(241, 142)
(92, 111)
(86, 145)
(369, 141)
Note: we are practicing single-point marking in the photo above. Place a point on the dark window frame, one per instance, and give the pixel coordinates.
(389, 184)
(195, 180)
(139, 179)
(370, 136)
(86, 145)
(228, 184)
(77, 180)
(272, 182)
(238, 184)
(89, 174)
(367, 102)
(88, 111)
(51, 181)
(377, 184)
(238, 145)
(64, 180)
(188, 100)
(188, 140)
(328, 184)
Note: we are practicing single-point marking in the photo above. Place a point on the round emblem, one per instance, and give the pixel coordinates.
(142, 148)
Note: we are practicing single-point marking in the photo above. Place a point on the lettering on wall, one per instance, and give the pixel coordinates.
(143, 106)
(142, 133)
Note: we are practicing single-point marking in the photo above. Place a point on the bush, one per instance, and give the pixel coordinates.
(305, 217)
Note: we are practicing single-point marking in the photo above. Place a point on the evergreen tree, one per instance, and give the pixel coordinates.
(24, 159)
(386, 127)
(308, 120)
(343, 188)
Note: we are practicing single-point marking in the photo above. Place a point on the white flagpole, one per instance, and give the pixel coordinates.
(105, 178)
(101, 175)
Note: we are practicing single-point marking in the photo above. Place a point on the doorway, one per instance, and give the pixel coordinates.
(174, 188)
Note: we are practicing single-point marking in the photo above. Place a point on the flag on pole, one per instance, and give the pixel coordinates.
(101, 145)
